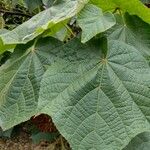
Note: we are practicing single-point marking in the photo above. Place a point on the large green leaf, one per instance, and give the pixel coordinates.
(134, 32)
(92, 21)
(140, 142)
(41, 22)
(133, 7)
(98, 102)
(20, 80)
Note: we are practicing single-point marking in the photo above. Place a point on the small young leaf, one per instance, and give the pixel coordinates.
(92, 21)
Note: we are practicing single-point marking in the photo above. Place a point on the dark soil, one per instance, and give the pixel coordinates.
(21, 136)
(24, 142)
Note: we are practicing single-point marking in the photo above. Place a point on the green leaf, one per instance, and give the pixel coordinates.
(98, 102)
(140, 142)
(41, 22)
(38, 137)
(145, 1)
(2, 31)
(48, 3)
(6, 134)
(33, 4)
(133, 7)
(3, 47)
(134, 32)
(20, 80)
(105, 5)
(58, 31)
(92, 21)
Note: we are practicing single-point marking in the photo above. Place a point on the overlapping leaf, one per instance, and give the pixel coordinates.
(5, 47)
(140, 142)
(98, 98)
(32, 4)
(145, 1)
(48, 3)
(106, 5)
(134, 32)
(98, 102)
(41, 22)
(92, 21)
(133, 7)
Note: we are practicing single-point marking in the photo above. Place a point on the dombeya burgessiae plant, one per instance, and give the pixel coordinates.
(94, 86)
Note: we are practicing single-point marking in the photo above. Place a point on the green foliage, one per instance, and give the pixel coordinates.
(145, 1)
(134, 32)
(32, 5)
(106, 5)
(48, 3)
(6, 134)
(97, 93)
(41, 22)
(20, 81)
(2, 22)
(38, 137)
(140, 142)
(133, 7)
(92, 17)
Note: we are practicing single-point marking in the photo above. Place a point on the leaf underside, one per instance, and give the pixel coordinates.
(41, 22)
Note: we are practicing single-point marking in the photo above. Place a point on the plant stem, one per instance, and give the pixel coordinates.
(115, 10)
(15, 13)
(68, 28)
